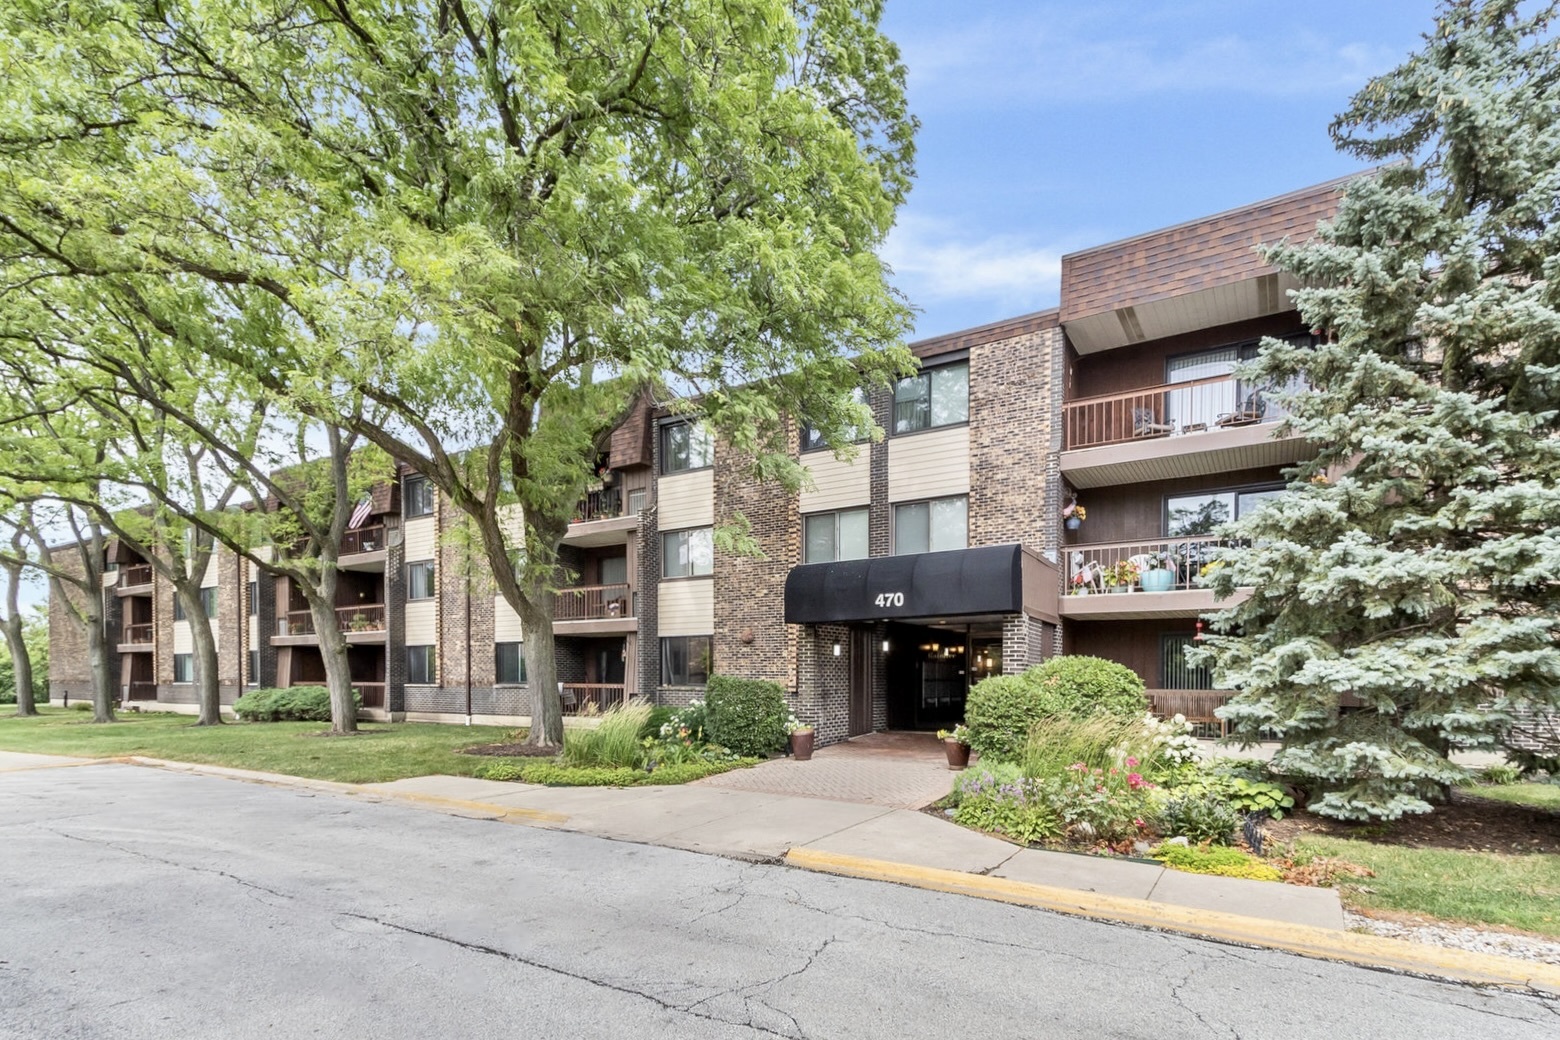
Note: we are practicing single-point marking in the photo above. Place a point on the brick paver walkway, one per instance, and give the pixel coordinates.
(898, 770)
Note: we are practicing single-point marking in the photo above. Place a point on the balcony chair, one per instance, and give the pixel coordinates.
(1252, 410)
(1146, 424)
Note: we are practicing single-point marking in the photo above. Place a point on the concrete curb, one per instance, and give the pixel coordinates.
(1370, 951)
(484, 810)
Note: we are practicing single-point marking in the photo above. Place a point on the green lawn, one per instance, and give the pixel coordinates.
(1473, 887)
(378, 753)
(1540, 796)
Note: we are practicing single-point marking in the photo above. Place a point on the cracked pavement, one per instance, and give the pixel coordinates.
(145, 903)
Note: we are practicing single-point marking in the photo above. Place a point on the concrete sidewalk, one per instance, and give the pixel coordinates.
(756, 825)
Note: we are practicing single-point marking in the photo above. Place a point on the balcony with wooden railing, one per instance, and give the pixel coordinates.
(138, 634)
(370, 694)
(1169, 410)
(601, 504)
(135, 575)
(590, 698)
(363, 540)
(362, 618)
(593, 602)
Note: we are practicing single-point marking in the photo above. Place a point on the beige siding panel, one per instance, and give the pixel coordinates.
(686, 608)
(209, 580)
(253, 642)
(929, 465)
(687, 500)
(263, 552)
(506, 623)
(419, 539)
(512, 522)
(183, 642)
(422, 626)
(836, 484)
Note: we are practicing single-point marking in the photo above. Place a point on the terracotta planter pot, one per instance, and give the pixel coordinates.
(802, 744)
(958, 754)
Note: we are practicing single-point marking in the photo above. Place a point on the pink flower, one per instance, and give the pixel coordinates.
(1135, 780)
(1138, 824)
(1131, 762)
(1079, 766)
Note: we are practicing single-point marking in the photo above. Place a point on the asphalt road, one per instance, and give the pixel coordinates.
(141, 903)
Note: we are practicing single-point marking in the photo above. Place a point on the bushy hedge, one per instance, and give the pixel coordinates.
(746, 716)
(294, 704)
(1002, 708)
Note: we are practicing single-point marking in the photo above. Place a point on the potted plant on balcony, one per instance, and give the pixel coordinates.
(1121, 576)
(802, 735)
(359, 623)
(1163, 569)
(956, 745)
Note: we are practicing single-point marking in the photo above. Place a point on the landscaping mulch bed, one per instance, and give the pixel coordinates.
(511, 751)
(1468, 823)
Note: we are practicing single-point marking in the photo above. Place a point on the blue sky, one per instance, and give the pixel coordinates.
(1048, 127)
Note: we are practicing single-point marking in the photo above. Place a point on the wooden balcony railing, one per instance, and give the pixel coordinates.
(603, 504)
(141, 691)
(370, 694)
(590, 698)
(363, 539)
(135, 574)
(592, 602)
(1196, 706)
(1098, 568)
(365, 617)
(1170, 410)
(138, 634)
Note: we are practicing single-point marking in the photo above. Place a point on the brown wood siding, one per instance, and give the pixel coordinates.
(1132, 368)
(1135, 512)
(630, 441)
(1132, 643)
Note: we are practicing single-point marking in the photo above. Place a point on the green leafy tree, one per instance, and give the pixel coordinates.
(1405, 601)
(495, 224)
(18, 676)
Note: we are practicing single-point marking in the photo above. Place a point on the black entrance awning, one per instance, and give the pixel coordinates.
(988, 580)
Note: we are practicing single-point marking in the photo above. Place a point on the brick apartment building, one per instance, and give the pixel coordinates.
(939, 555)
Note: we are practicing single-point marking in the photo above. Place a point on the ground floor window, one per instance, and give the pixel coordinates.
(183, 668)
(685, 660)
(508, 663)
(1174, 672)
(421, 666)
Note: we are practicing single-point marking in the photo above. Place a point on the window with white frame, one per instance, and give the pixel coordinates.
(688, 554)
(935, 525)
(933, 397)
(840, 535)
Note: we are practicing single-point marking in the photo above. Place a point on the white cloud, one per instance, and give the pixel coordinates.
(1106, 53)
(934, 262)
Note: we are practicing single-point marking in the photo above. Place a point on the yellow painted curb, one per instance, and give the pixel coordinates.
(1481, 969)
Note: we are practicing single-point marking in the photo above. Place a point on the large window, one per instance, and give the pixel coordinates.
(1201, 512)
(508, 663)
(685, 446)
(688, 554)
(416, 496)
(183, 668)
(685, 660)
(834, 536)
(1174, 672)
(419, 580)
(934, 526)
(421, 666)
(936, 397)
(208, 601)
(813, 439)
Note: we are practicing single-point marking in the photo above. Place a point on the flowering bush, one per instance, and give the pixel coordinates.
(1086, 805)
(1174, 745)
(796, 725)
(688, 725)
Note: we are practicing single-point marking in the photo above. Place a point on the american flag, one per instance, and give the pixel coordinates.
(361, 513)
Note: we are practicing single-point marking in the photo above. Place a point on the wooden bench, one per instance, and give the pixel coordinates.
(1196, 706)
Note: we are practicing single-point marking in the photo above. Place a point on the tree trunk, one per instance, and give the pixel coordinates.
(204, 645)
(541, 667)
(102, 674)
(21, 663)
(333, 649)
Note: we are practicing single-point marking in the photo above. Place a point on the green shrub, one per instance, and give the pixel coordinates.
(81, 706)
(1002, 708)
(660, 715)
(1198, 818)
(986, 774)
(693, 717)
(1028, 820)
(293, 704)
(1057, 743)
(554, 774)
(1500, 774)
(614, 743)
(1247, 796)
(746, 715)
(1224, 862)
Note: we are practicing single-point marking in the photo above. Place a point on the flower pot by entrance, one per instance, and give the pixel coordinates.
(802, 744)
(958, 754)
